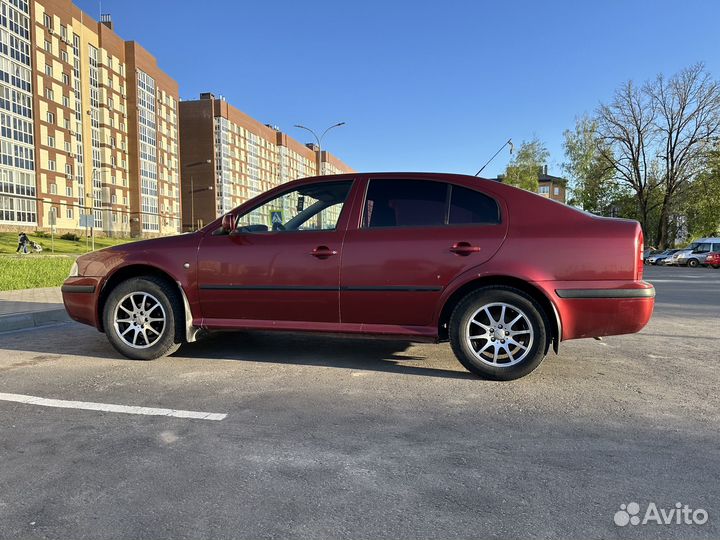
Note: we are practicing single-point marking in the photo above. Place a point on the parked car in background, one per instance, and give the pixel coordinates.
(694, 255)
(501, 273)
(659, 257)
(713, 259)
(648, 251)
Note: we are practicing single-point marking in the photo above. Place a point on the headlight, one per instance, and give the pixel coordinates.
(74, 270)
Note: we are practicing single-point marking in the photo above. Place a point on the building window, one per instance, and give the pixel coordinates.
(47, 20)
(49, 94)
(48, 46)
(556, 190)
(544, 190)
(52, 165)
(53, 189)
(69, 212)
(113, 199)
(51, 141)
(68, 191)
(50, 118)
(48, 70)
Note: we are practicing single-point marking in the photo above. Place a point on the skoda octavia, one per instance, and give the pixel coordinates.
(501, 273)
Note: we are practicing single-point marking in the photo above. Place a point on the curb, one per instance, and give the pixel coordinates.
(20, 321)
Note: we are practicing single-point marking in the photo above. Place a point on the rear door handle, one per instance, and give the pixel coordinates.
(323, 252)
(464, 248)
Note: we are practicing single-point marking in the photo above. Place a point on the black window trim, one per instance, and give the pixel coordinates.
(366, 226)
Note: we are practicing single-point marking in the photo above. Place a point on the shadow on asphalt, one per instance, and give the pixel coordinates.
(386, 355)
(314, 350)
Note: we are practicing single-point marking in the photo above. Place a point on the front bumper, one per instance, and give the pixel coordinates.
(80, 296)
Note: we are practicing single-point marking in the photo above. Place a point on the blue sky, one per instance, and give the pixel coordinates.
(431, 86)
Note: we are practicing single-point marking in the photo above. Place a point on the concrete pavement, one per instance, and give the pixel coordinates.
(27, 308)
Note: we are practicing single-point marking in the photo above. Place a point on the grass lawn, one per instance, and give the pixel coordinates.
(8, 244)
(33, 270)
(41, 269)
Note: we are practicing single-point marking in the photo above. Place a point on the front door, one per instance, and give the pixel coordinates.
(414, 238)
(282, 262)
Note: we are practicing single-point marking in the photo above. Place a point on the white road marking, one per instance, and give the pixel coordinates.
(109, 407)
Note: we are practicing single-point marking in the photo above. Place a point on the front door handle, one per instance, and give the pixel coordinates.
(323, 252)
(464, 248)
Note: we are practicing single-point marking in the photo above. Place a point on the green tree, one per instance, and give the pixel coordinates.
(592, 186)
(702, 200)
(524, 169)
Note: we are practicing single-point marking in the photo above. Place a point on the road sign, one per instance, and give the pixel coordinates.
(276, 217)
(87, 220)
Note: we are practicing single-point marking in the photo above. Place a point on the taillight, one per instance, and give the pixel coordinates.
(640, 248)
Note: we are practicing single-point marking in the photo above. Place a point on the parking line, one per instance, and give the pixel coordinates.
(109, 407)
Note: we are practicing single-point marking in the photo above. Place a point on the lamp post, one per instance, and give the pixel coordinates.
(193, 191)
(319, 141)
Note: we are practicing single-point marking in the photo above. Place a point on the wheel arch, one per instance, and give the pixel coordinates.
(135, 270)
(531, 290)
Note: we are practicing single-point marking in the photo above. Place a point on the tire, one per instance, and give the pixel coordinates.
(716, 266)
(531, 325)
(160, 332)
(693, 263)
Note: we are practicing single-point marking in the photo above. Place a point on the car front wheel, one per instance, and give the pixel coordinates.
(141, 318)
(693, 263)
(499, 333)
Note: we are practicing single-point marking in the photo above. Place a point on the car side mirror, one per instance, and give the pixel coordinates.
(228, 223)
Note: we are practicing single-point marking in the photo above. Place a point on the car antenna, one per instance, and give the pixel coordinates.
(509, 142)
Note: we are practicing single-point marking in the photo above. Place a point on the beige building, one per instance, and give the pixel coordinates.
(228, 157)
(92, 126)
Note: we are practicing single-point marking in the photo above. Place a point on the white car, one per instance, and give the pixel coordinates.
(694, 255)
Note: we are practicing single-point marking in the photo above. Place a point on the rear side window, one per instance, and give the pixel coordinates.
(470, 206)
(424, 203)
(405, 203)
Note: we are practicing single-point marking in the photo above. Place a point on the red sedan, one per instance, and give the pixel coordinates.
(713, 259)
(501, 273)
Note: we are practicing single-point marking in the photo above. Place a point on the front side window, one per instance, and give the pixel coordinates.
(702, 248)
(314, 207)
(424, 203)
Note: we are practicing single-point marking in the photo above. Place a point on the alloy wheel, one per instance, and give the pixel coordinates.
(139, 320)
(499, 334)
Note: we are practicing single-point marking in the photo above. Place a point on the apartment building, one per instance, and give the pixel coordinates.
(551, 187)
(228, 157)
(89, 126)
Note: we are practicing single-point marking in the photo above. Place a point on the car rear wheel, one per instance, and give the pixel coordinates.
(499, 333)
(141, 318)
(692, 263)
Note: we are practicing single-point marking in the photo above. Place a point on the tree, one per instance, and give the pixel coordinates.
(524, 169)
(592, 185)
(627, 130)
(702, 200)
(687, 120)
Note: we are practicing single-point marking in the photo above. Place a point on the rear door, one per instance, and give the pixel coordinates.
(414, 236)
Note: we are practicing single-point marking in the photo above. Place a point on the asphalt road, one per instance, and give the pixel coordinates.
(332, 438)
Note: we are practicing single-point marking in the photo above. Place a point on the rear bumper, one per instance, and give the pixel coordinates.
(80, 295)
(595, 309)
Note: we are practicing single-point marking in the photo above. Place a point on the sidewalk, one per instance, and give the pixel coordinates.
(28, 308)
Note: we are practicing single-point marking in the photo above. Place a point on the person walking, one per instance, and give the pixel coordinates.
(23, 241)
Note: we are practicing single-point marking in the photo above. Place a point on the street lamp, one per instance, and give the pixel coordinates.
(319, 141)
(192, 189)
